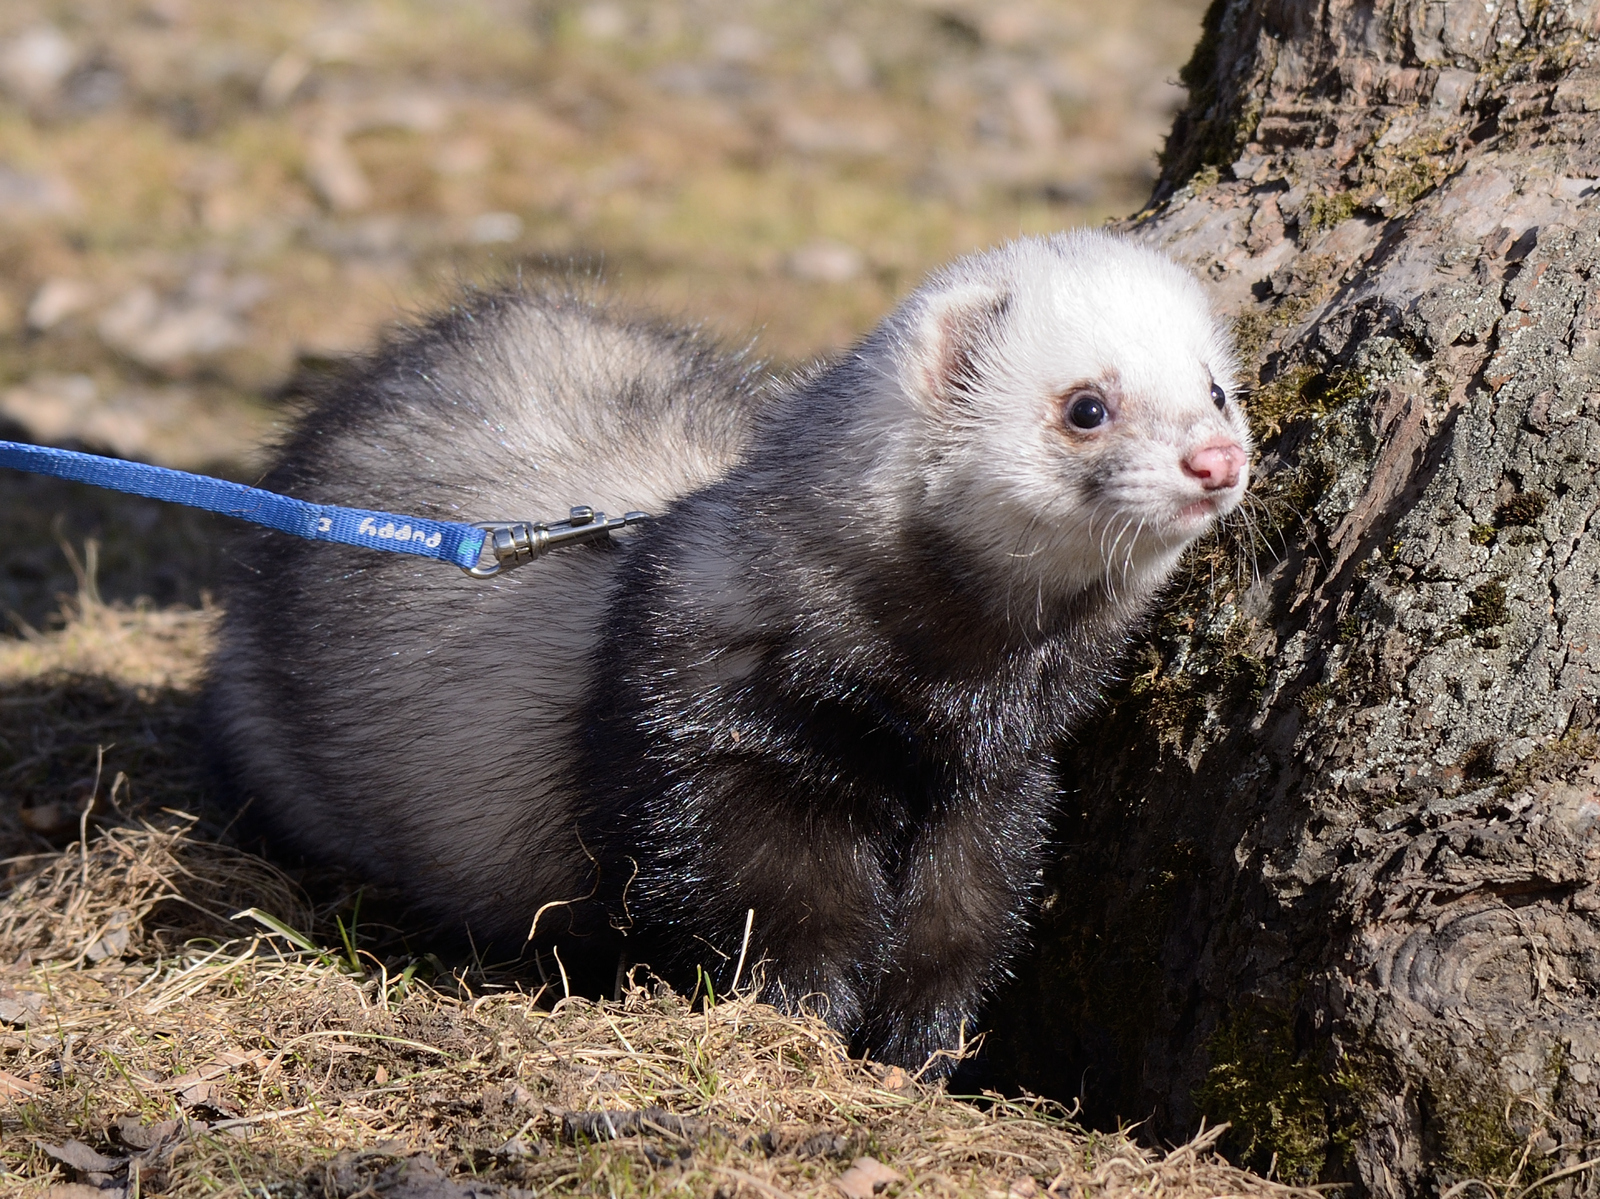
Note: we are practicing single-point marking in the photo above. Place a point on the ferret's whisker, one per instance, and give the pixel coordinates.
(1027, 530)
(1250, 558)
(1264, 530)
(1011, 577)
(1105, 552)
(1127, 560)
(1127, 523)
(1104, 533)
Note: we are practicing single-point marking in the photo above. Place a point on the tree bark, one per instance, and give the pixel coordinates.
(1330, 868)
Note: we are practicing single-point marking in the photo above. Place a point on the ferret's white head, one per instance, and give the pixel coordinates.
(1076, 416)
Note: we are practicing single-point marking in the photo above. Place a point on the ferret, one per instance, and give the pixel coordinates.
(825, 685)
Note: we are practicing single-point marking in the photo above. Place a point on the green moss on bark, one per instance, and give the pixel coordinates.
(1214, 128)
(1274, 1097)
(1479, 1124)
(1486, 607)
(1524, 508)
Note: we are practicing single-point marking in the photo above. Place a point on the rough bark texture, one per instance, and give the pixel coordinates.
(1331, 868)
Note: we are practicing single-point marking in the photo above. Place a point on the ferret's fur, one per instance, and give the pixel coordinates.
(825, 683)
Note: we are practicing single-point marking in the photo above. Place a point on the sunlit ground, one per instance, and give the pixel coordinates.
(198, 198)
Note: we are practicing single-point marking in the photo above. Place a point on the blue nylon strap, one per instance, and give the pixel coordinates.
(447, 541)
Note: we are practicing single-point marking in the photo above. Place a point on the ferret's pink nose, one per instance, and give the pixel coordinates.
(1217, 466)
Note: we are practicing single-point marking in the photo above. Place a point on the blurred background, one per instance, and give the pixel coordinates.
(204, 201)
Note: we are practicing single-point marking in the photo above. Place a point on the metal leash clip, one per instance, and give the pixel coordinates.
(511, 543)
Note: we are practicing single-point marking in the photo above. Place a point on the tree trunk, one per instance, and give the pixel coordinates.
(1330, 868)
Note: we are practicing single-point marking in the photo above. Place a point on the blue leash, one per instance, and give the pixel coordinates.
(510, 543)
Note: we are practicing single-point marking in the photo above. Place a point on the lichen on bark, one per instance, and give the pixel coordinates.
(1355, 787)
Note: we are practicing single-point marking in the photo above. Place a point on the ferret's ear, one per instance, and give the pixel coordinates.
(946, 338)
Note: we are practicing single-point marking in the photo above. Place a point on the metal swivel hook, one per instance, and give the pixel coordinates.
(511, 543)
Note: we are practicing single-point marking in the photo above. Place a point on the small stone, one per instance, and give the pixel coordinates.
(283, 78)
(518, 1147)
(412, 111)
(34, 63)
(334, 172)
(1034, 112)
(493, 227)
(810, 134)
(825, 261)
(1010, 25)
(158, 334)
(849, 62)
(20, 1008)
(738, 43)
(1252, 167)
(24, 195)
(1452, 89)
(57, 299)
(603, 22)
(1578, 92)
(463, 156)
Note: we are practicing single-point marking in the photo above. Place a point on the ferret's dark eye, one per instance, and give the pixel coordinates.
(1087, 412)
(1219, 397)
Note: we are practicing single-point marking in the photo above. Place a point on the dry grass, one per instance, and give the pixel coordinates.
(147, 650)
(189, 1050)
(97, 712)
(324, 1074)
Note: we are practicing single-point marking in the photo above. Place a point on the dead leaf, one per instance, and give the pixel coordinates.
(216, 1068)
(519, 1147)
(82, 1158)
(421, 1178)
(209, 1095)
(1022, 1187)
(22, 1009)
(866, 1177)
(334, 172)
(196, 1088)
(258, 1060)
(112, 943)
(12, 1087)
(138, 1135)
(81, 1190)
